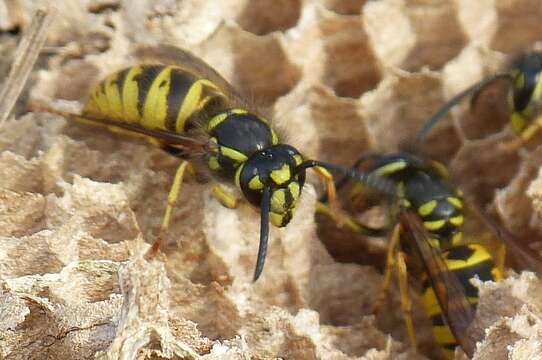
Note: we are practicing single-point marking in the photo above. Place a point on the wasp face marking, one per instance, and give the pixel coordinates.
(273, 167)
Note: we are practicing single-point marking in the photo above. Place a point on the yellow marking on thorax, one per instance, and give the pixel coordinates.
(457, 238)
(275, 138)
(457, 220)
(130, 93)
(281, 175)
(391, 168)
(238, 175)
(233, 154)
(218, 119)
(427, 208)
(213, 164)
(434, 242)
(401, 190)
(456, 202)
(155, 108)
(298, 158)
(434, 225)
(440, 168)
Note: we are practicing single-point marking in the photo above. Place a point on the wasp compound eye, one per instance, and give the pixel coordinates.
(274, 168)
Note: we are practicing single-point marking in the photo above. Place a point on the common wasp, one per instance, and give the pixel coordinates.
(524, 98)
(430, 235)
(179, 103)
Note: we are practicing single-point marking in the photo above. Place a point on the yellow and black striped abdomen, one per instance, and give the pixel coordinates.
(155, 97)
(465, 262)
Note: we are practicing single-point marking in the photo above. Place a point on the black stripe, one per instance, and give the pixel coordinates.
(481, 269)
(121, 79)
(288, 198)
(437, 320)
(216, 105)
(179, 85)
(450, 346)
(464, 274)
(459, 253)
(144, 82)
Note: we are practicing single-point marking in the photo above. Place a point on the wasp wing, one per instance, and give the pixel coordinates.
(170, 139)
(171, 55)
(455, 306)
(523, 255)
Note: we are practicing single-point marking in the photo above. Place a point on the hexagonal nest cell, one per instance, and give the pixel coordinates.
(80, 205)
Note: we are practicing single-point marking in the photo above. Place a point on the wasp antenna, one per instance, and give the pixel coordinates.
(370, 179)
(264, 231)
(473, 90)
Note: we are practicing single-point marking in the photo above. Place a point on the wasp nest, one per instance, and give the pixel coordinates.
(342, 77)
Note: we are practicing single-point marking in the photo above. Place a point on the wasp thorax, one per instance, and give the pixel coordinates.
(274, 167)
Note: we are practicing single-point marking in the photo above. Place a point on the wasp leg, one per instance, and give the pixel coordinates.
(335, 209)
(225, 197)
(171, 201)
(390, 265)
(350, 223)
(524, 137)
(406, 301)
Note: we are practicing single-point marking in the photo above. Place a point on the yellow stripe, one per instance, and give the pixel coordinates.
(456, 202)
(238, 174)
(434, 225)
(217, 119)
(440, 168)
(401, 189)
(391, 168)
(443, 335)
(457, 220)
(101, 101)
(457, 238)
(427, 208)
(480, 254)
(213, 164)
(114, 100)
(275, 139)
(434, 242)
(130, 93)
(192, 102)
(233, 154)
(155, 108)
(431, 303)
